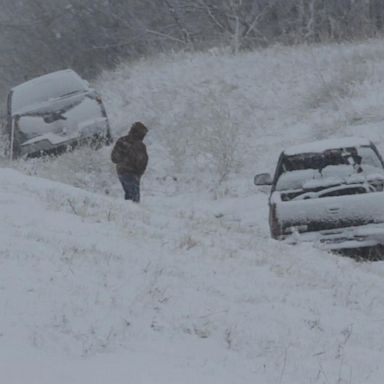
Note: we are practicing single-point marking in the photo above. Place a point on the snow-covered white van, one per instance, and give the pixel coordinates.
(54, 112)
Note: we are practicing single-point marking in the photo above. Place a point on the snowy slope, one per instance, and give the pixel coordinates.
(170, 294)
(187, 287)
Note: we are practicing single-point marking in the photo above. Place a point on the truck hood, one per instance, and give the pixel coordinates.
(338, 197)
(357, 205)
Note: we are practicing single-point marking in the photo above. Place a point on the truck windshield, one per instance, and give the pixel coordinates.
(342, 156)
(296, 170)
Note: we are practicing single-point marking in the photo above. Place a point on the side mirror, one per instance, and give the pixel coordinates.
(263, 179)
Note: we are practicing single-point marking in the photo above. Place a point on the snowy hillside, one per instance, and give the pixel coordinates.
(187, 287)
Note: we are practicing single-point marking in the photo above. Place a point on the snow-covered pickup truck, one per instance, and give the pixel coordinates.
(329, 192)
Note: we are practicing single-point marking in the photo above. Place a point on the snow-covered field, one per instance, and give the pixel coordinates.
(187, 287)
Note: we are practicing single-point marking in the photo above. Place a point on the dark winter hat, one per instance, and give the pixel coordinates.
(138, 130)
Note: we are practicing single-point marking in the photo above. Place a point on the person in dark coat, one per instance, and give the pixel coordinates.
(131, 159)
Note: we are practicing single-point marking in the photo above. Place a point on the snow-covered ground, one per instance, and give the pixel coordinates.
(187, 287)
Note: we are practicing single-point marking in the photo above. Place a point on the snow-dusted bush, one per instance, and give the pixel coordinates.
(206, 139)
(84, 168)
(339, 80)
(218, 139)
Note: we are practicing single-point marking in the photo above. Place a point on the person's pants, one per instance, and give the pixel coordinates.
(131, 186)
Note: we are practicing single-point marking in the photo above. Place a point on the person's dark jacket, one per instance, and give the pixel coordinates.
(130, 153)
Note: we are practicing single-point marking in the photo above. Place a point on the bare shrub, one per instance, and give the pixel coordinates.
(205, 138)
(4, 140)
(188, 242)
(84, 168)
(218, 140)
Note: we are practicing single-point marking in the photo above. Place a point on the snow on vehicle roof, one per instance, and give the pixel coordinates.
(323, 145)
(49, 76)
(32, 93)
